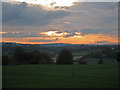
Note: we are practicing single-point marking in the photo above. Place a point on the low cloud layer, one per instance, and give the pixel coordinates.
(20, 35)
(42, 40)
(101, 42)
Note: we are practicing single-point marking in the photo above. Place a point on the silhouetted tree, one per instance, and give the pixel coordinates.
(19, 55)
(118, 57)
(100, 61)
(46, 59)
(35, 57)
(65, 57)
(5, 60)
(95, 53)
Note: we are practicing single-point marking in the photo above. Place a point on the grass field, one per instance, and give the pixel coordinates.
(79, 53)
(61, 76)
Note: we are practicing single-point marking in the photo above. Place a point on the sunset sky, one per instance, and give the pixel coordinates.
(59, 21)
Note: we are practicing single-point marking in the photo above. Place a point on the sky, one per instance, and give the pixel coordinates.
(59, 21)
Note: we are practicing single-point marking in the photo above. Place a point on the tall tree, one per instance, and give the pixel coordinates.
(65, 57)
(118, 56)
(5, 60)
(46, 58)
(19, 55)
(35, 57)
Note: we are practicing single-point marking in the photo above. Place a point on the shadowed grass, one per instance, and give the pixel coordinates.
(60, 76)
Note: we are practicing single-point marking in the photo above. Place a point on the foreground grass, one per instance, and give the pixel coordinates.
(61, 76)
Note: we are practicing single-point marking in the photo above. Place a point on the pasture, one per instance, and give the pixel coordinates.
(79, 53)
(61, 76)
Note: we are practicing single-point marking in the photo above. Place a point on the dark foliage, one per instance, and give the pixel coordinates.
(108, 51)
(5, 60)
(65, 57)
(46, 58)
(100, 61)
(118, 57)
(20, 56)
(81, 61)
(97, 53)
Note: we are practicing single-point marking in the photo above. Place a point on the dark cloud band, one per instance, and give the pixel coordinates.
(22, 14)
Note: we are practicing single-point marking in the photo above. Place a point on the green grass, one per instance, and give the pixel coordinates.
(79, 53)
(60, 76)
(105, 61)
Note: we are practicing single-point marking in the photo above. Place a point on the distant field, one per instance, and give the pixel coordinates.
(79, 53)
(105, 61)
(61, 76)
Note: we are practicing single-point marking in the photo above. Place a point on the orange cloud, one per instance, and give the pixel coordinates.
(89, 39)
(54, 37)
(2, 32)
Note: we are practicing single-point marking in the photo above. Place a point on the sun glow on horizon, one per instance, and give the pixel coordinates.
(49, 33)
(62, 37)
(3, 32)
(54, 33)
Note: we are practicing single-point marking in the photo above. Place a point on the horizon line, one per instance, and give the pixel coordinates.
(62, 43)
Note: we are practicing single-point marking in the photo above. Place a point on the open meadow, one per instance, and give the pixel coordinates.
(61, 76)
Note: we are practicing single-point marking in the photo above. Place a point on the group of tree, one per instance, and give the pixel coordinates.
(20, 56)
(106, 52)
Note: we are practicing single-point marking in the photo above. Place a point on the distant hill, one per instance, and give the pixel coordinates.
(54, 48)
(56, 44)
(51, 44)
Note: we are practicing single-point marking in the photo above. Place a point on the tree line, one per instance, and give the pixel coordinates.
(20, 56)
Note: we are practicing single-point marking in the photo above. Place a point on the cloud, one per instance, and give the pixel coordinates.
(21, 35)
(100, 0)
(99, 16)
(70, 34)
(87, 19)
(22, 14)
(42, 40)
(61, 34)
(101, 42)
(98, 30)
(90, 31)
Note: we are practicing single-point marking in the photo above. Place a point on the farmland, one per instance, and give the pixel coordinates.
(61, 76)
(20, 74)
